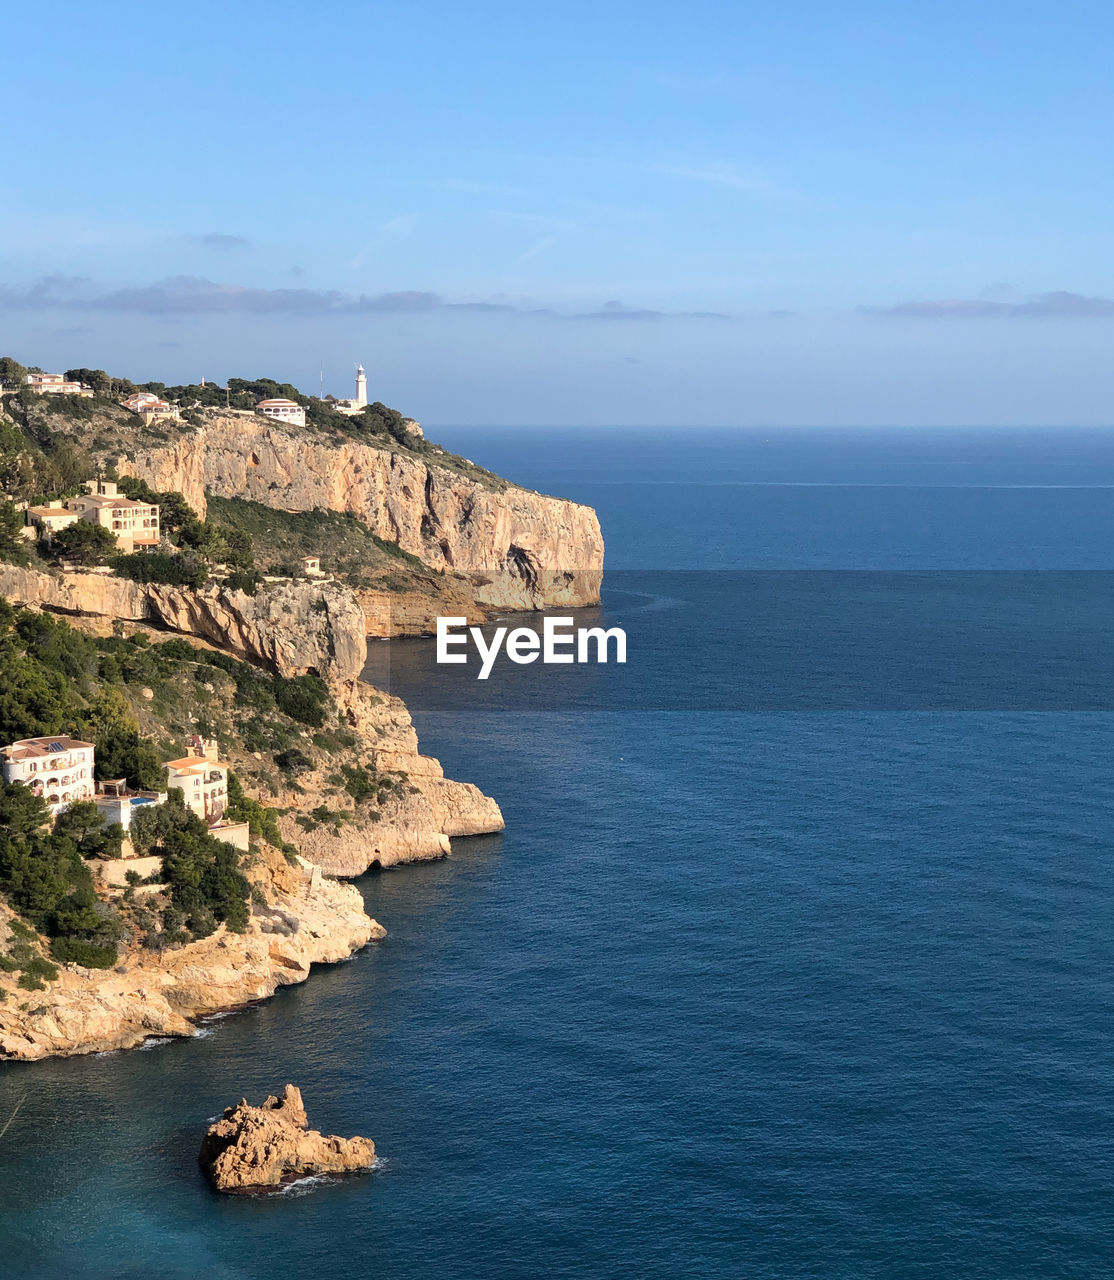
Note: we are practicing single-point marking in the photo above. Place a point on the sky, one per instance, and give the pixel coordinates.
(806, 213)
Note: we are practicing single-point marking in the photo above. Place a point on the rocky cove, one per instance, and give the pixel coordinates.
(303, 916)
(454, 540)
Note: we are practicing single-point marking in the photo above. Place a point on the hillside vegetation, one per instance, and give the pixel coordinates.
(100, 426)
(138, 702)
(51, 445)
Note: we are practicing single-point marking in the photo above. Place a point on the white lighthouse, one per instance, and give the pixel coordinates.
(351, 407)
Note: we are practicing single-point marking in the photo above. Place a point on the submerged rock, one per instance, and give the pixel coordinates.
(253, 1148)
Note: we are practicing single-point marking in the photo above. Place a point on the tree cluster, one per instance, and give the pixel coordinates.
(202, 873)
(44, 877)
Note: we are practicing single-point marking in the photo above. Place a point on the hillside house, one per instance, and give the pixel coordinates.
(202, 778)
(148, 406)
(135, 524)
(56, 384)
(287, 411)
(59, 769)
(52, 517)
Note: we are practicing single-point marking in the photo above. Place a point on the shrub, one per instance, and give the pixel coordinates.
(77, 951)
(303, 698)
(262, 821)
(83, 543)
(177, 650)
(245, 580)
(184, 570)
(293, 761)
(359, 783)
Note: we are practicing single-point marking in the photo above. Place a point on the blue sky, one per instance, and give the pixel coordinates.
(816, 213)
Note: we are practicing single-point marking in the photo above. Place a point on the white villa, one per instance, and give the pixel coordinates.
(59, 769)
(203, 779)
(287, 411)
(51, 517)
(351, 407)
(135, 524)
(149, 407)
(55, 384)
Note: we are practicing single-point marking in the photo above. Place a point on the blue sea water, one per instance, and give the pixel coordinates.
(812, 994)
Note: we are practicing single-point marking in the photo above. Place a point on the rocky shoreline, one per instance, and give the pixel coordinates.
(485, 543)
(301, 916)
(310, 920)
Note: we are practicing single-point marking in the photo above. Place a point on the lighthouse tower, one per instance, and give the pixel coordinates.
(361, 387)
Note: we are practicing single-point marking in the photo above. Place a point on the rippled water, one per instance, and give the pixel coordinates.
(775, 995)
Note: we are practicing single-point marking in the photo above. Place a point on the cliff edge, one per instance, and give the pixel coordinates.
(520, 549)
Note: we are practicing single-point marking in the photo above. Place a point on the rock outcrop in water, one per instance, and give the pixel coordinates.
(256, 1148)
(521, 549)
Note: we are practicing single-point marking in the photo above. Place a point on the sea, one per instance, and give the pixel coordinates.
(774, 973)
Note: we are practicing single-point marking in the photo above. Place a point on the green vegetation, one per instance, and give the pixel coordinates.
(38, 461)
(46, 666)
(39, 968)
(43, 876)
(11, 522)
(202, 873)
(12, 373)
(101, 383)
(83, 543)
(247, 581)
(347, 547)
(183, 570)
(302, 698)
(261, 820)
(361, 784)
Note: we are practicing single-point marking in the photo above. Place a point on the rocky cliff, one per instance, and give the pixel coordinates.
(308, 920)
(417, 819)
(521, 549)
(292, 628)
(289, 627)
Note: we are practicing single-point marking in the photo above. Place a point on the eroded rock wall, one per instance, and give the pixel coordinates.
(309, 920)
(525, 550)
(289, 627)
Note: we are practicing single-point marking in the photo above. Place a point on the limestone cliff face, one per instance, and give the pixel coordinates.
(309, 920)
(415, 823)
(523, 549)
(289, 627)
(294, 627)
